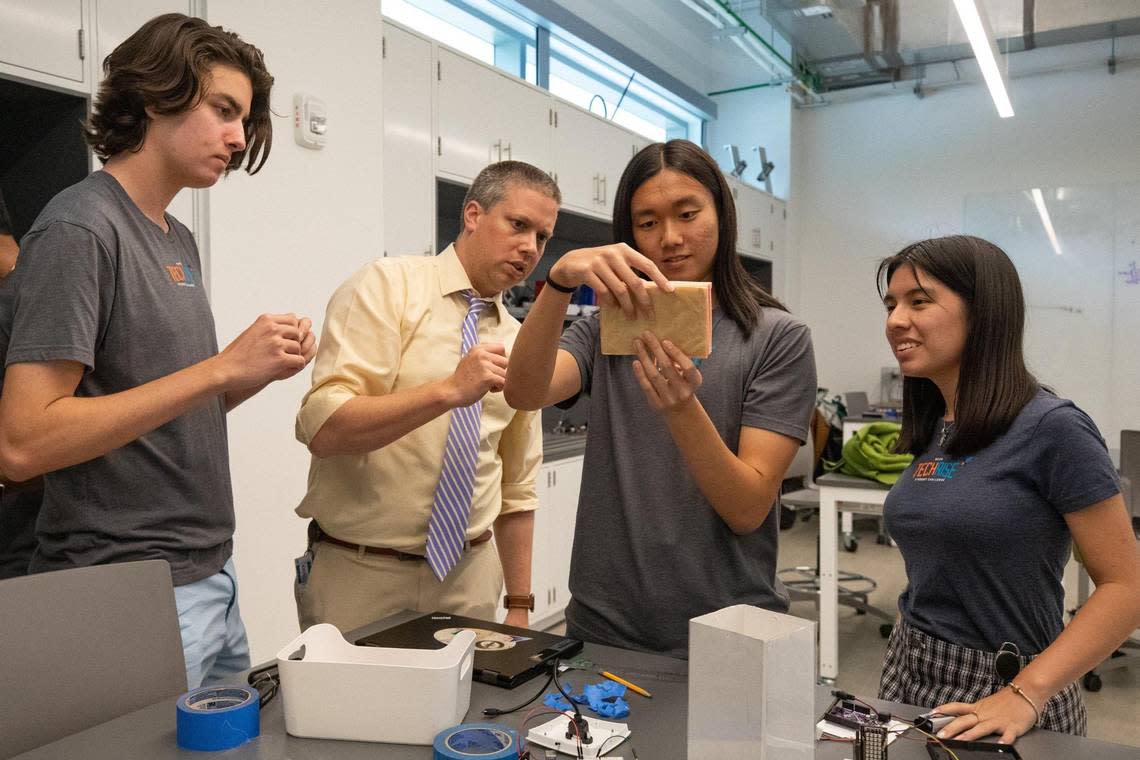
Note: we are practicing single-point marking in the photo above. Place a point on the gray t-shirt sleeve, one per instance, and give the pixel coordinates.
(1074, 468)
(66, 290)
(782, 383)
(581, 340)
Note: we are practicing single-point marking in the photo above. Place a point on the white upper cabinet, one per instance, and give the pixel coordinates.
(45, 41)
(409, 181)
(752, 219)
(486, 116)
(590, 155)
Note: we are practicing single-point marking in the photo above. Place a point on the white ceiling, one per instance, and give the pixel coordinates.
(687, 47)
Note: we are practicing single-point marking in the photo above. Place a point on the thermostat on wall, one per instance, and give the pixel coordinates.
(310, 121)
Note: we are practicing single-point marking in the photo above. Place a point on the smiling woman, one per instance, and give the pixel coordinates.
(1006, 477)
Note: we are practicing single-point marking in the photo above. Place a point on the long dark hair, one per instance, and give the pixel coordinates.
(737, 292)
(993, 382)
(163, 66)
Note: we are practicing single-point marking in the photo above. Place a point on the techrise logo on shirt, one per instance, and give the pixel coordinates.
(181, 275)
(938, 469)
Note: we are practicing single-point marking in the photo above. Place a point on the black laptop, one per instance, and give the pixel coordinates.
(504, 655)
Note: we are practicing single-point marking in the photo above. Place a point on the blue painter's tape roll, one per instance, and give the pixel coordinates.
(483, 741)
(218, 717)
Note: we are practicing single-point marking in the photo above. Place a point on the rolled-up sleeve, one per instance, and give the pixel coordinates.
(520, 449)
(359, 352)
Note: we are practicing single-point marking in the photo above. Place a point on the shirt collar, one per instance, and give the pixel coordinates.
(453, 279)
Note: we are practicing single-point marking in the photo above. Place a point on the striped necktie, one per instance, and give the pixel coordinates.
(447, 527)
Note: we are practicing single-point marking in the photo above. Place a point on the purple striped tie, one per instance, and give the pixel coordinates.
(447, 527)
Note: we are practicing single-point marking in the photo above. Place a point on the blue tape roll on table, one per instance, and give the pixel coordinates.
(486, 741)
(218, 717)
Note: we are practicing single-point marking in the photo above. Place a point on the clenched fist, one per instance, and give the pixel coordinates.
(483, 369)
(274, 347)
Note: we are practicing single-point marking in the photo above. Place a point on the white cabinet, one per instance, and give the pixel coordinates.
(590, 155)
(409, 186)
(752, 219)
(778, 226)
(558, 485)
(486, 116)
(45, 41)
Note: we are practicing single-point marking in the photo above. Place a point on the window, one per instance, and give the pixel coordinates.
(588, 78)
(490, 31)
(479, 28)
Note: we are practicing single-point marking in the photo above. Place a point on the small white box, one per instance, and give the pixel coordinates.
(374, 694)
(751, 685)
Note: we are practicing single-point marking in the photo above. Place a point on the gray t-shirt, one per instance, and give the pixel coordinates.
(649, 550)
(984, 537)
(101, 284)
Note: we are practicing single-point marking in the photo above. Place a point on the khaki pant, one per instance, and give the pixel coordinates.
(350, 589)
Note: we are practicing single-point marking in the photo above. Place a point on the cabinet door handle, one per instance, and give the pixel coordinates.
(508, 151)
(597, 184)
(605, 189)
(498, 150)
(555, 476)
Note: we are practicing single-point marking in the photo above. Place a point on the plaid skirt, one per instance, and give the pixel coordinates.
(919, 669)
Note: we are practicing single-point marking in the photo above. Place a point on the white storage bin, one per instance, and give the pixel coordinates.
(374, 694)
(751, 685)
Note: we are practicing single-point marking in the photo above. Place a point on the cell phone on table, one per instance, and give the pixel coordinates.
(971, 750)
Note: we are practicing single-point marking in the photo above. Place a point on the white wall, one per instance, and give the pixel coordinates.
(282, 240)
(755, 117)
(871, 175)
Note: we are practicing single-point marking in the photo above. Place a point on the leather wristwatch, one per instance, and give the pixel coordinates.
(518, 602)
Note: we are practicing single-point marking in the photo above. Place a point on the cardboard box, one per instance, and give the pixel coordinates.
(683, 317)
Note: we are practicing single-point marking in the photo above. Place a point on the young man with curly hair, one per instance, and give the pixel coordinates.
(113, 385)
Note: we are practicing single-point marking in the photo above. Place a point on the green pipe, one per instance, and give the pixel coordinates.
(802, 72)
(724, 4)
(742, 89)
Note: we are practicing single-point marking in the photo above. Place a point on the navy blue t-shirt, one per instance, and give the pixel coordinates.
(984, 537)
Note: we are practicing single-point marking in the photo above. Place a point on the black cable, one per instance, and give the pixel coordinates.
(578, 719)
(266, 681)
(620, 739)
(623, 92)
(491, 712)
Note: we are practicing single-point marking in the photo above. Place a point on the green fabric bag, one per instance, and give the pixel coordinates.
(870, 454)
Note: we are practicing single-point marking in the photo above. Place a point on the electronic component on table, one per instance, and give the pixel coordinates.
(871, 742)
(852, 714)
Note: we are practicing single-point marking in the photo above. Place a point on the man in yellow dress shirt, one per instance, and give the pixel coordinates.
(387, 378)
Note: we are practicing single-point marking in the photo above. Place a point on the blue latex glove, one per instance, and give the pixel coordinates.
(604, 698)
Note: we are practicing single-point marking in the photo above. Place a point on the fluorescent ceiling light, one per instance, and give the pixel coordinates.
(981, 36)
(1046, 222)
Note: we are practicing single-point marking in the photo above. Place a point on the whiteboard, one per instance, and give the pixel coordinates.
(1082, 290)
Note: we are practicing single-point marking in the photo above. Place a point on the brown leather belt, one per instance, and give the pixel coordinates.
(386, 552)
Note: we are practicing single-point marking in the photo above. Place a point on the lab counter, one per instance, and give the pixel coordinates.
(658, 725)
(557, 446)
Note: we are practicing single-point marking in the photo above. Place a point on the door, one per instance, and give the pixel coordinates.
(409, 183)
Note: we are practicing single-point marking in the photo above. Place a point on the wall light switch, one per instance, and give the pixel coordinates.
(310, 121)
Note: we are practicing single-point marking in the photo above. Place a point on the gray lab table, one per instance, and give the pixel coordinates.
(658, 725)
